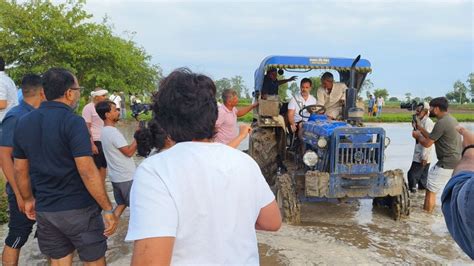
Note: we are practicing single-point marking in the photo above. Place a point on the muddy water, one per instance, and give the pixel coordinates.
(332, 232)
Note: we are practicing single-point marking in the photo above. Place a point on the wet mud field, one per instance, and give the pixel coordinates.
(341, 233)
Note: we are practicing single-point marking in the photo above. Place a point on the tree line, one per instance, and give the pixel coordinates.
(38, 35)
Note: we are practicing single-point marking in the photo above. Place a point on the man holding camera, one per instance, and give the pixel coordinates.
(422, 156)
(447, 145)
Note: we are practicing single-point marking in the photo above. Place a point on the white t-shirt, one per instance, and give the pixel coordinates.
(298, 104)
(120, 167)
(206, 195)
(8, 92)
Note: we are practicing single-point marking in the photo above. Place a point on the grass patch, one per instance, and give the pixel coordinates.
(404, 117)
(3, 200)
(246, 118)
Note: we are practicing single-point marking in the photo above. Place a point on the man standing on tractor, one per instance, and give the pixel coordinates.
(332, 95)
(271, 83)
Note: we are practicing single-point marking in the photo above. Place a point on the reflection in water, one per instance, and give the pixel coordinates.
(333, 232)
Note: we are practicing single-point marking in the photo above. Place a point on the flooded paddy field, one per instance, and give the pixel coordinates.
(332, 232)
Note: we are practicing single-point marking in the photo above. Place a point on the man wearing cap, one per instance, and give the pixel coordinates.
(422, 156)
(447, 143)
(331, 95)
(271, 83)
(95, 124)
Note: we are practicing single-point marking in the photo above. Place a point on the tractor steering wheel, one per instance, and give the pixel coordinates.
(313, 108)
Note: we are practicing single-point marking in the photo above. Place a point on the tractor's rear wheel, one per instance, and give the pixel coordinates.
(263, 149)
(287, 199)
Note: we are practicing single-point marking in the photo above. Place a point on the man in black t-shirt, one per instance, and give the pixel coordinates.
(53, 155)
(271, 83)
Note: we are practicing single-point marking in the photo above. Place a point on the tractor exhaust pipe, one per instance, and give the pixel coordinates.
(351, 95)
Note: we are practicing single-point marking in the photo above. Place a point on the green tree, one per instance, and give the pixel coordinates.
(221, 85)
(470, 83)
(282, 89)
(393, 99)
(293, 89)
(367, 86)
(37, 35)
(459, 93)
(381, 93)
(238, 85)
(428, 99)
(408, 96)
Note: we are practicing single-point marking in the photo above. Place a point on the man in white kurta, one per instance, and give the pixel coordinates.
(332, 95)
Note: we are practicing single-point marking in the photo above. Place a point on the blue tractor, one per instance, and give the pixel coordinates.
(342, 159)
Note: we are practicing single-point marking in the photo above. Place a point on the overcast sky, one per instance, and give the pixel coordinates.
(421, 47)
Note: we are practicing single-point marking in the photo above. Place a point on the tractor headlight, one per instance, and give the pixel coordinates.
(310, 158)
(322, 142)
(386, 141)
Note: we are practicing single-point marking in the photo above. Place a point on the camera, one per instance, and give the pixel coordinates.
(410, 106)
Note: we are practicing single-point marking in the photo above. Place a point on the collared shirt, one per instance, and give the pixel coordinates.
(332, 101)
(50, 137)
(297, 103)
(226, 124)
(8, 92)
(10, 120)
(8, 127)
(422, 153)
(90, 115)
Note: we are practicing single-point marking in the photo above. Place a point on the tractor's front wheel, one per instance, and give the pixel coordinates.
(400, 205)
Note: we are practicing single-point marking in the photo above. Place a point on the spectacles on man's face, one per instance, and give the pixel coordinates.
(76, 88)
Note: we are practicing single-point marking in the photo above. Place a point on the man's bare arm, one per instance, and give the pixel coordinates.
(425, 142)
(269, 218)
(153, 251)
(93, 182)
(9, 171)
(244, 110)
(22, 178)
(466, 163)
(129, 150)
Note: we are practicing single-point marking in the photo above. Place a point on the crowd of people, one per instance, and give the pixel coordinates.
(186, 204)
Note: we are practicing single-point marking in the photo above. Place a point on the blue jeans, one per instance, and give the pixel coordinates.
(379, 110)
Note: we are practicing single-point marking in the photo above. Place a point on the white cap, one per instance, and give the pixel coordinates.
(101, 92)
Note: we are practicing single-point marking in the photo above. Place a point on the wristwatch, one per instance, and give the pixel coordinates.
(108, 211)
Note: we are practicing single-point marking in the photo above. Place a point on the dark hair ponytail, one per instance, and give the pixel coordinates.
(149, 137)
